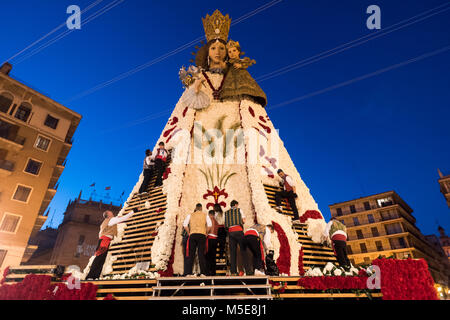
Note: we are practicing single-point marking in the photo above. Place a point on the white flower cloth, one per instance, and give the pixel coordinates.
(195, 100)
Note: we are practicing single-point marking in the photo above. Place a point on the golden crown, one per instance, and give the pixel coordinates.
(232, 44)
(216, 26)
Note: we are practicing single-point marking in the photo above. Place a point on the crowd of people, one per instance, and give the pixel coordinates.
(205, 236)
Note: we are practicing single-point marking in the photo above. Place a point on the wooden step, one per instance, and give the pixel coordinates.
(231, 297)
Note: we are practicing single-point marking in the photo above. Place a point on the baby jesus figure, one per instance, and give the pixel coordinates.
(234, 54)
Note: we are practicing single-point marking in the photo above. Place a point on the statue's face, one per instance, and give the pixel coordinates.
(217, 52)
(233, 53)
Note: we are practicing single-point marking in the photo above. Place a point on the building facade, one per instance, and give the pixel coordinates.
(35, 139)
(444, 241)
(383, 225)
(77, 236)
(444, 183)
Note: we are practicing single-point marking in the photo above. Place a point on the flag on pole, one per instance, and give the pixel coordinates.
(108, 188)
(92, 185)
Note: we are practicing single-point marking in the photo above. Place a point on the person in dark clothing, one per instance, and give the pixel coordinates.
(108, 230)
(221, 232)
(287, 193)
(257, 240)
(160, 163)
(184, 241)
(234, 222)
(148, 170)
(211, 245)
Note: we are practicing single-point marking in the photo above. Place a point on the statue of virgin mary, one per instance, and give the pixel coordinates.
(224, 147)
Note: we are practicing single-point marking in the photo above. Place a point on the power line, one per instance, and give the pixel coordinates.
(347, 45)
(298, 65)
(67, 32)
(51, 32)
(164, 56)
(363, 77)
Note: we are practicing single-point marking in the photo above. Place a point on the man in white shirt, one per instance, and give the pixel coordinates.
(289, 193)
(160, 163)
(108, 230)
(149, 163)
(197, 225)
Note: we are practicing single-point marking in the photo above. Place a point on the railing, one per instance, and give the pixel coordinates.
(389, 247)
(61, 162)
(7, 165)
(371, 235)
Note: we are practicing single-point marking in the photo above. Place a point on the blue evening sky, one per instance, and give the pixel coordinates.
(386, 132)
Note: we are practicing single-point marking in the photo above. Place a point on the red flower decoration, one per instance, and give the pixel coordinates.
(166, 173)
(301, 270)
(109, 296)
(215, 193)
(310, 214)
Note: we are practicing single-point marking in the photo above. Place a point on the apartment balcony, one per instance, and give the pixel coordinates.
(16, 142)
(6, 168)
(388, 250)
(371, 236)
(378, 221)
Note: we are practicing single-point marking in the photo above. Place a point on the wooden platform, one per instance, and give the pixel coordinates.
(212, 288)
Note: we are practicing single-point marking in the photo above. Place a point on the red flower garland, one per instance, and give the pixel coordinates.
(166, 173)
(39, 287)
(310, 214)
(407, 279)
(284, 260)
(5, 273)
(327, 282)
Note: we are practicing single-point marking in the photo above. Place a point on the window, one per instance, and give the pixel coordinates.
(5, 102)
(51, 122)
(355, 221)
(370, 218)
(10, 223)
(375, 232)
(22, 193)
(385, 202)
(86, 218)
(379, 245)
(367, 205)
(363, 248)
(339, 211)
(352, 209)
(42, 143)
(33, 167)
(23, 113)
(359, 234)
(401, 242)
(2, 256)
